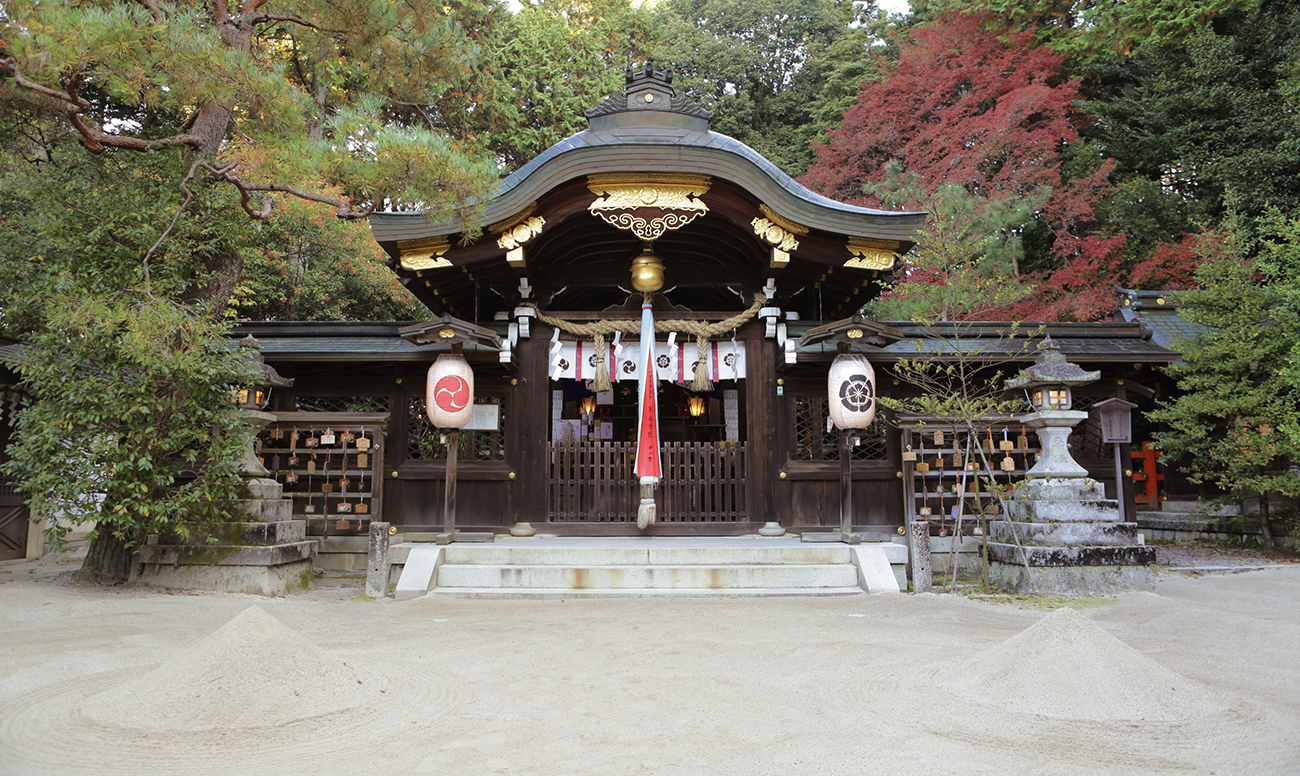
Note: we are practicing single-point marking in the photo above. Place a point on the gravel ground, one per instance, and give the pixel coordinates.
(1210, 555)
(784, 686)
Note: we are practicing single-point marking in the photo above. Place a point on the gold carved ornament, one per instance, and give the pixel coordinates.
(675, 196)
(872, 254)
(423, 254)
(516, 231)
(778, 232)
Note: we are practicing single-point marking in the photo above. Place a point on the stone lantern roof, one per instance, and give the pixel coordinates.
(1051, 368)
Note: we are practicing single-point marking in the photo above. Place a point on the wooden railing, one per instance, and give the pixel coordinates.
(593, 482)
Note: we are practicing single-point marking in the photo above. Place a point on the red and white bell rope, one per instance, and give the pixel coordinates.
(649, 467)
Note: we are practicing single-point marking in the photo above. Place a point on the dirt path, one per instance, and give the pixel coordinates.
(671, 686)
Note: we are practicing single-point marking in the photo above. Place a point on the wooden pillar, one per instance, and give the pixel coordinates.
(846, 484)
(449, 482)
(762, 421)
(1125, 490)
(528, 445)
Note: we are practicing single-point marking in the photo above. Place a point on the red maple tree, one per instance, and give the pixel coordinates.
(987, 110)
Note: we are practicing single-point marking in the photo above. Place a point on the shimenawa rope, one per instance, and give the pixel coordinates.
(701, 330)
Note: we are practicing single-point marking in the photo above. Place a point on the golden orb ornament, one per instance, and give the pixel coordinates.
(647, 272)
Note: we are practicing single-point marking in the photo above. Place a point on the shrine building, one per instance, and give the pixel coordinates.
(755, 283)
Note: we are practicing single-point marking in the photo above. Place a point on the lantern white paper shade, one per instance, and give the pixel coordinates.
(449, 392)
(851, 391)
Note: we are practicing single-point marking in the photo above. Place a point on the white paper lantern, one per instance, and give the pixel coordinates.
(449, 392)
(851, 391)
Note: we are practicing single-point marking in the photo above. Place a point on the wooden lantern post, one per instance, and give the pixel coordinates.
(1117, 429)
(850, 393)
(449, 395)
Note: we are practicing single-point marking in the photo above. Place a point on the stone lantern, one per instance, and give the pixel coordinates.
(1050, 382)
(1063, 535)
(251, 399)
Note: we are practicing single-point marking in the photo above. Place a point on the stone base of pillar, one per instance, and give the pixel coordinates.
(523, 529)
(772, 528)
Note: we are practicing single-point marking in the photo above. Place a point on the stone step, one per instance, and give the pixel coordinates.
(643, 592)
(1201, 508)
(1136, 555)
(184, 554)
(227, 534)
(1064, 534)
(645, 576)
(261, 511)
(503, 555)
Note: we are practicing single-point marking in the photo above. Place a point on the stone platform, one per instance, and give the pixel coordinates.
(1070, 537)
(569, 567)
(266, 554)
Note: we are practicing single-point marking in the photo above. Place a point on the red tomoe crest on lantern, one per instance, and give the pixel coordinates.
(449, 392)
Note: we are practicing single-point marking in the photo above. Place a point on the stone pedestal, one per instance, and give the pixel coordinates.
(266, 552)
(1070, 536)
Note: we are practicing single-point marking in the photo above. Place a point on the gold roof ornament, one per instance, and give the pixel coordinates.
(521, 233)
(872, 254)
(620, 196)
(424, 254)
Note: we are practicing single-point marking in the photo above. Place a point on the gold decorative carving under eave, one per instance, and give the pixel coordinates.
(675, 196)
(621, 191)
(500, 227)
(423, 254)
(521, 233)
(872, 254)
(782, 221)
(775, 234)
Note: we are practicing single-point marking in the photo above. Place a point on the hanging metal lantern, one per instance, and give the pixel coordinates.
(449, 391)
(851, 391)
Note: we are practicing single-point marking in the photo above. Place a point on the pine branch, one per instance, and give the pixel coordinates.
(152, 6)
(246, 191)
(189, 197)
(285, 17)
(94, 138)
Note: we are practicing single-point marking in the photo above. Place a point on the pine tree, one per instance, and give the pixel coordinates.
(1234, 422)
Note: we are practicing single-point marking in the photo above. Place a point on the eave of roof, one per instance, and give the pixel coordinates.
(1081, 342)
(380, 342)
(659, 143)
(375, 341)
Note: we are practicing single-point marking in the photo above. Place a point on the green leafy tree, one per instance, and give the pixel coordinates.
(550, 63)
(1086, 31)
(965, 265)
(1234, 422)
(760, 66)
(131, 424)
(114, 259)
(303, 265)
(1211, 114)
(128, 423)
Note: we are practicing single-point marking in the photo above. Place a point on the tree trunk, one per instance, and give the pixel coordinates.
(225, 264)
(107, 560)
(1266, 533)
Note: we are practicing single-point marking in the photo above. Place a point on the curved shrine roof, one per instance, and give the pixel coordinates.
(666, 134)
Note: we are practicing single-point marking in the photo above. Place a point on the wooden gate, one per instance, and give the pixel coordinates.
(593, 482)
(13, 510)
